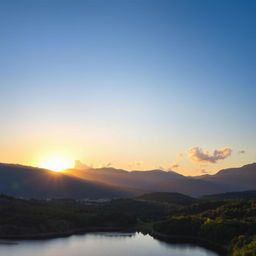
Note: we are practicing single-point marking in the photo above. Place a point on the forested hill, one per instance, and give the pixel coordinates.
(226, 226)
(168, 197)
(232, 196)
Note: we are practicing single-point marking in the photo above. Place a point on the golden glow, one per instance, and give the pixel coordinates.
(56, 163)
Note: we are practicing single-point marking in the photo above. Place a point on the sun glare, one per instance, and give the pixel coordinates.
(56, 164)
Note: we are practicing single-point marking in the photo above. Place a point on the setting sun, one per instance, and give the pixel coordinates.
(56, 164)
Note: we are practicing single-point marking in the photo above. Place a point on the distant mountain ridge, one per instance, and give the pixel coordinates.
(119, 177)
(152, 180)
(24, 181)
(234, 179)
(30, 182)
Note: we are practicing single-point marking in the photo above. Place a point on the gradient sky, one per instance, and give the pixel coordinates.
(131, 83)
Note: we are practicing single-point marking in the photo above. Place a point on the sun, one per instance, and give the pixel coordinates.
(56, 163)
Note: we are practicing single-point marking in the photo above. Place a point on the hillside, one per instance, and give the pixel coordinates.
(229, 227)
(234, 179)
(29, 182)
(167, 197)
(231, 196)
(225, 227)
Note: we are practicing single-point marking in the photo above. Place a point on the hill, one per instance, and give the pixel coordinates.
(171, 198)
(234, 179)
(231, 196)
(30, 182)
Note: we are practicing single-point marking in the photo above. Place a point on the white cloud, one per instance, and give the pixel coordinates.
(200, 156)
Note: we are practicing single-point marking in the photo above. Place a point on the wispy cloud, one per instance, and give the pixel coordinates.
(136, 164)
(80, 165)
(108, 165)
(203, 171)
(200, 156)
(174, 167)
(180, 155)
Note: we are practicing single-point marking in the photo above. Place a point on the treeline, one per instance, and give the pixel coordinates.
(231, 225)
(19, 217)
(36, 217)
(226, 224)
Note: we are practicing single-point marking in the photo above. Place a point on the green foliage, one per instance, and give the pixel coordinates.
(240, 209)
(180, 226)
(31, 217)
(244, 246)
(222, 231)
(144, 210)
(231, 225)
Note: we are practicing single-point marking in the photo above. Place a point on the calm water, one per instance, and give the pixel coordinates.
(100, 244)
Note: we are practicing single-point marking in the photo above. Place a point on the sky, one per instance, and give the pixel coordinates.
(134, 84)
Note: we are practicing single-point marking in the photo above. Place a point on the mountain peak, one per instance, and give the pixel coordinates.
(250, 165)
(235, 179)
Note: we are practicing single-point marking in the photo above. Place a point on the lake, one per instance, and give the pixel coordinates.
(100, 244)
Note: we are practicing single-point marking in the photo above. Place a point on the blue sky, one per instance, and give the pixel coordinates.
(132, 83)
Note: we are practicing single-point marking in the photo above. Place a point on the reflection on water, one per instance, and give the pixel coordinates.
(100, 244)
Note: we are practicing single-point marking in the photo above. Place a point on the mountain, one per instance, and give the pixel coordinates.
(171, 198)
(117, 177)
(234, 179)
(30, 182)
(23, 181)
(152, 180)
(231, 196)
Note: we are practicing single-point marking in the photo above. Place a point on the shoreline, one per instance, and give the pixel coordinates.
(81, 231)
(221, 250)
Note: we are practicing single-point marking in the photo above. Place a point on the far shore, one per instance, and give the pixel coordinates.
(221, 250)
(64, 234)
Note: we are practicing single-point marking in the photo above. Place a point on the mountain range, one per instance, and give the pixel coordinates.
(234, 179)
(95, 183)
(30, 182)
(153, 180)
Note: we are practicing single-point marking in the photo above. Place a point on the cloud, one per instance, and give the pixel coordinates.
(180, 155)
(204, 171)
(107, 165)
(80, 165)
(136, 164)
(241, 151)
(174, 166)
(200, 156)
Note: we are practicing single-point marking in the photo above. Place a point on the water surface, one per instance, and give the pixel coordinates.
(100, 244)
